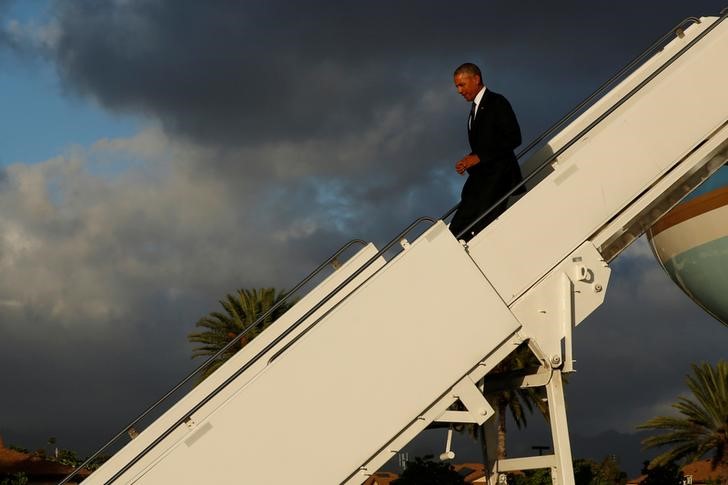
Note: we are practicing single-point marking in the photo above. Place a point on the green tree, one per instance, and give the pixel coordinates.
(584, 471)
(51, 446)
(702, 426)
(608, 472)
(530, 477)
(519, 402)
(15, 479)
(425, 471)
(239, 311)
(68, 457)
(96, 462)
(668, 474)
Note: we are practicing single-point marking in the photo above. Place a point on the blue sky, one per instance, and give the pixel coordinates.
(161, 154)
(38, 120)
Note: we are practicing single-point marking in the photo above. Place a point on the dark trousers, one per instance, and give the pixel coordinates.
(479, 194)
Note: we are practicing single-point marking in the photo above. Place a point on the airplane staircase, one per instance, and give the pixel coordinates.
(384, 346)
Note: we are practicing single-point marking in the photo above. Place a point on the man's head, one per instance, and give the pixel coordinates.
(468, 81)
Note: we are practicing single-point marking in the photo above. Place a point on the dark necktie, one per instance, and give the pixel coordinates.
(472, 115)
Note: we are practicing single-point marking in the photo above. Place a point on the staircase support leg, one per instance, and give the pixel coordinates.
(562, 472)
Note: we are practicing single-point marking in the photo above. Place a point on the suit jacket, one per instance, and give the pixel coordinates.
(493, 134)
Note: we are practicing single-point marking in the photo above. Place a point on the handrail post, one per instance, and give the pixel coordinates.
(594, 123)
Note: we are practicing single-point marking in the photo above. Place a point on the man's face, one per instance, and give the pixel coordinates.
(468, 85)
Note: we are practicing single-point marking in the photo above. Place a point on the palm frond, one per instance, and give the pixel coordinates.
(701, 427)
(240, 311)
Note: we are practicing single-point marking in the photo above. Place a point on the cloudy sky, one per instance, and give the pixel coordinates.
(156, 155)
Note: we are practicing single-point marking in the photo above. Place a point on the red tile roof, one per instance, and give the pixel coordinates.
(12, 461)
(637, 481)
(381, 478)
(477, 470)
(469, 471)
(702, 472)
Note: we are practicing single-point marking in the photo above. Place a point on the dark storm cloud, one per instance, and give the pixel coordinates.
(257, 74)
(359, 91)
(251, 72)
(304, 124)
(233, 72)
(642, 342)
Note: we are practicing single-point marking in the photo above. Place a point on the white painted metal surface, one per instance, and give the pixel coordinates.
(181, 409)
(563, 299)
(418, 334)
(598, 177)
(437, 410)
(362, 374)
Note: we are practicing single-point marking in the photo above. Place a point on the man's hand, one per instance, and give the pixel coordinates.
(467, 162)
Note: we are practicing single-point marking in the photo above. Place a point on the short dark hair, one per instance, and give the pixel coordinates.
(469, 68)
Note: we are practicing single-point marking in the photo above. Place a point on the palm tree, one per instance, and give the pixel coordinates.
(702, 426)
(517, 400)
(520, 402)
(240, 310)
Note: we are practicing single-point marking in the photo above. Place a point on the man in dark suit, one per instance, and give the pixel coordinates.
(492, 167)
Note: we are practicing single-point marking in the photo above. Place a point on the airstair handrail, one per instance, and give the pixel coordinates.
(568, 116)
(220, 352)
(272, 344)
(257, 357)
(598, 120)
(381, 252)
